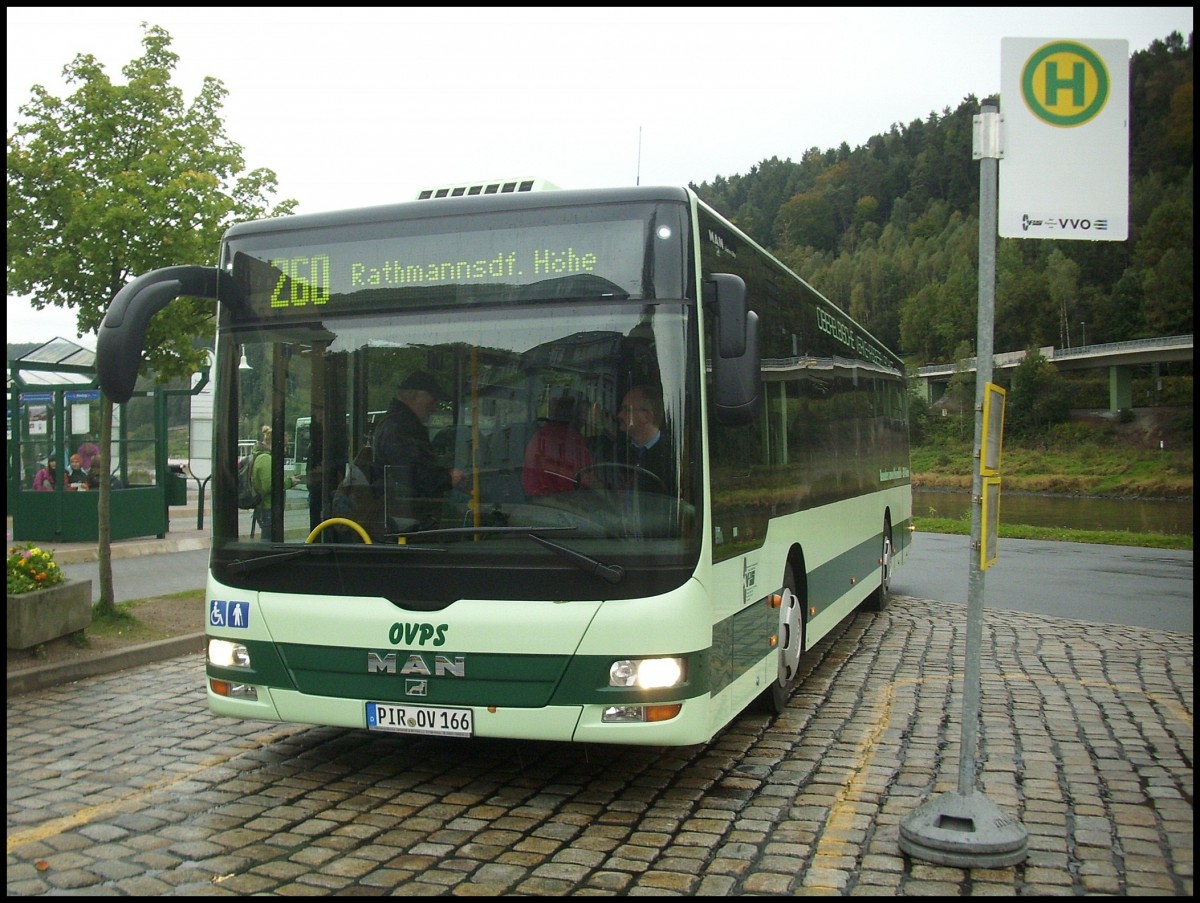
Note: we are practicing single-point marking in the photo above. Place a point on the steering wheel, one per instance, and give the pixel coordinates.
(338, 522)
(617, 467)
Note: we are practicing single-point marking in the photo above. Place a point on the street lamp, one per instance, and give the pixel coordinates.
(1083, 332)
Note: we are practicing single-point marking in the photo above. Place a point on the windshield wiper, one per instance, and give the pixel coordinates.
(254, 564)
(613, 573)
(246, 565)
(482, 531)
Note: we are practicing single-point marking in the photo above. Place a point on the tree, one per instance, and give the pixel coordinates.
(1062, 281)
(1164, 254)
(1038, 398)
(113, 181)
(960, 391)
(807, 219)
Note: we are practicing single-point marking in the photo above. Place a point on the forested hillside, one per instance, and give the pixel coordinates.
(889, 230)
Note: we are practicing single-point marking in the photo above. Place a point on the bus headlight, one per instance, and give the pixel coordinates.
(646, 673)
(227, 654)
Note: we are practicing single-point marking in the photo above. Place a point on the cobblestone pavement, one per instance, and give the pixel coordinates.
(126, 785)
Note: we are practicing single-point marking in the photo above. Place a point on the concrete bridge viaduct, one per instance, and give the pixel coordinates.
(1119, 358)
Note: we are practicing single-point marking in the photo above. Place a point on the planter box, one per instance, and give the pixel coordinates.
(46, 614)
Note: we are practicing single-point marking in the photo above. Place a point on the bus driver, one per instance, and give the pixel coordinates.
(640, 418)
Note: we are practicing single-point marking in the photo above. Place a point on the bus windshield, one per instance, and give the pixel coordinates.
(572, 418)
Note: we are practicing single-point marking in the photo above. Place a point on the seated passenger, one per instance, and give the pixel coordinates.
(640, 417)
(556, 453)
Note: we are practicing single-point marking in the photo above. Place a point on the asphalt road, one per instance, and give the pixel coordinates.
(1124, 585)
(148, 575)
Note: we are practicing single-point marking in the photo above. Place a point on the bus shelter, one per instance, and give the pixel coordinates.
(54, 409)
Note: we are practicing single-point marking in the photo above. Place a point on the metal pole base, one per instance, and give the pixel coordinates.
(966, 831)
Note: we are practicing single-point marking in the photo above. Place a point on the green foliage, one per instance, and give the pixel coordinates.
(1038, 398)
(31, 568)
(117, 179)
(1184, 421)
(918, 418)
(1089, 390)
(1164, 255)
(113, 181)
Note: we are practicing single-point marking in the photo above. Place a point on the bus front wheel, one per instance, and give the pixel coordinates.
(790, 647)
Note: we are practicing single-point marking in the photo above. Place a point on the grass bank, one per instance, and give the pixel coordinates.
(1148, 456)
(962, 527)
(1092, 470)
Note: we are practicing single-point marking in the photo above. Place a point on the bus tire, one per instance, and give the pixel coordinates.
(882, 594)
(790, 647)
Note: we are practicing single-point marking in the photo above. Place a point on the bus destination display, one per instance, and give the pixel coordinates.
(334, 274)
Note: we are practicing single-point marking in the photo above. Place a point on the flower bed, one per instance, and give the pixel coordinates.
(42, 603)
(31, 568)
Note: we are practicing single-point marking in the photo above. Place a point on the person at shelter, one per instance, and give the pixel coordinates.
(76, 476)
(46, 479)
(86, 451)
(95, 475)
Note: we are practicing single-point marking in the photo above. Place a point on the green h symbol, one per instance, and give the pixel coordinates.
(1054, 84)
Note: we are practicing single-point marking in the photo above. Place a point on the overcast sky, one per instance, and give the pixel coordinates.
(354, 106)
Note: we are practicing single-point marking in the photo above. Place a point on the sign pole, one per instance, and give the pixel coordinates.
(966, 829)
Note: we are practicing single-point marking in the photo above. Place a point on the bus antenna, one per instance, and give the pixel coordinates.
(639, 162)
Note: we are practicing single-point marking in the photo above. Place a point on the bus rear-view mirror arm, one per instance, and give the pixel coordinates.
(122, 335)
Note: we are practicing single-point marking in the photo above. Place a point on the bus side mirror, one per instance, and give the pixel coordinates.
(122, 334)
(735, 362)
(729, 299)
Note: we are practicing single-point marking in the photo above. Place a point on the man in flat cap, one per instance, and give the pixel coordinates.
(406, 467)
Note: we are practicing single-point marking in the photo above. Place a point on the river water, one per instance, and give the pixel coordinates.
(1066, 512)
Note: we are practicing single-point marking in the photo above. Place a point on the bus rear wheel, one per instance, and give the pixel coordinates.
(790, 646)
(882, 594)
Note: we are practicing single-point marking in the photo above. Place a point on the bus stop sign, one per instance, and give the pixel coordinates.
(1064, 170)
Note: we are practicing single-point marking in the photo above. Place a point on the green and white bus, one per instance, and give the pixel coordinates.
(614, 609)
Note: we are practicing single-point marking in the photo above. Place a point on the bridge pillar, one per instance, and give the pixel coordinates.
(935, 388)
(1120, 388)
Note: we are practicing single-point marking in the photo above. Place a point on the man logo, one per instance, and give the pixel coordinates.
(443, 665)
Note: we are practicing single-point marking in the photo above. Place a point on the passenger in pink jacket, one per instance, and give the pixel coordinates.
(47, 477)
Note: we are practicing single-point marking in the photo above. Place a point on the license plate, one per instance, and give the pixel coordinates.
(420, 719)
